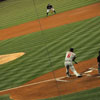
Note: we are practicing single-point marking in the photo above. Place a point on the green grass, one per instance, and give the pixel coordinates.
(15, 12)
(5, 97)
(45, 51)
(92, 94)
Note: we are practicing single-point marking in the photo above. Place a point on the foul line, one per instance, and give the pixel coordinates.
(57, 79)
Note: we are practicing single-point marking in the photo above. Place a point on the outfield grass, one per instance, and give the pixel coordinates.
(92, 94)
(15, 12)
(45, 51)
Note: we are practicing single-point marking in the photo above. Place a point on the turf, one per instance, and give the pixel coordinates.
(92, 94)
(5, 97)
(45, 51)
(15, 12)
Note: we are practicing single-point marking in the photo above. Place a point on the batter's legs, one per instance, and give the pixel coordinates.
(67, 71)
(74, 71)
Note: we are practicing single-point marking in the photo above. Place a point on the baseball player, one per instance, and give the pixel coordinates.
(50, 9)
(69, 59)
(98, 60)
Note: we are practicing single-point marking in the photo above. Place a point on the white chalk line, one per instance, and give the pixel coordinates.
(86, 73)
(63, 80)
(57, 79)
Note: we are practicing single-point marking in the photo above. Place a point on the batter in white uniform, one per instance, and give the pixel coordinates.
(69, 59)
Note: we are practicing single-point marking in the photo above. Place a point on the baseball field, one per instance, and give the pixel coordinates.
(33, 47)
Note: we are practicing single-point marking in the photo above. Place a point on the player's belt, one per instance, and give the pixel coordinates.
(67, 60)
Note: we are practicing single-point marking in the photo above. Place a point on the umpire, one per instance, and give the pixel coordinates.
(98, 60)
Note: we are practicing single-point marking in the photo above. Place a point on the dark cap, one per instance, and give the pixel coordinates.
(71, 49)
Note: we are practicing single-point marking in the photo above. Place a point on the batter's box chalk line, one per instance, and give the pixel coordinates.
(98, 76)
(60, 79)
(90, 70)
(63, 80)
(86, 73)
(36, 83)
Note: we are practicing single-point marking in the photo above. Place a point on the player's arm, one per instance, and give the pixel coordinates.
(74, 60)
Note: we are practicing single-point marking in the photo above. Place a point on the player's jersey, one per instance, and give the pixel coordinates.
(69, 56)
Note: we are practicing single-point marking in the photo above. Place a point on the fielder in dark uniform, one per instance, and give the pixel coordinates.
(50, 8)
(98, 60)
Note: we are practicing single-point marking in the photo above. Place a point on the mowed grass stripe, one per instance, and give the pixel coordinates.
(40, 51)
(17, 12)
(70, 33)
(45, 51)
(75, 39)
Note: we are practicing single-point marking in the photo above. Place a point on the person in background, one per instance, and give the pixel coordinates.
(98, 60)
(50, 9)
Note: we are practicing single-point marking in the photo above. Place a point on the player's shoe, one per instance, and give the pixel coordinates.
(79, 76)
(68, 74)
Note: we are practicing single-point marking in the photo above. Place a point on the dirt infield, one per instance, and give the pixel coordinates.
(46, 86)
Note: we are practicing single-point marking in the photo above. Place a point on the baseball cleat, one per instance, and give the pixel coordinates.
(79, 76)
(68, 75)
